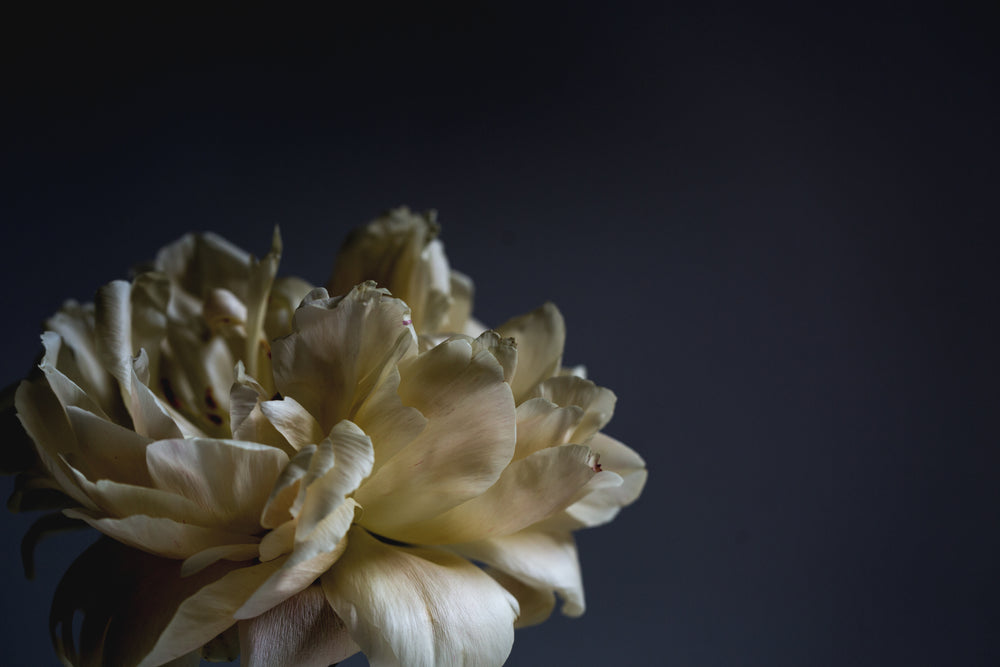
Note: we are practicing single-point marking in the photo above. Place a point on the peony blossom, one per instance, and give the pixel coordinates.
(293, 474)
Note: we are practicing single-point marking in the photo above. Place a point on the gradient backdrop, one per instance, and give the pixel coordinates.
(769, 232)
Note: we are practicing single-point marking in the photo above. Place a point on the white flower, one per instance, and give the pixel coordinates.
(322, 472)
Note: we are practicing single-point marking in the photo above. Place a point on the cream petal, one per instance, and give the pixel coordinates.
(44, 419)
(75, 325)
(246, 419)
(504, 349)
(390, 424)
(597, 403)
(540, 337)
(111, 451)
(150, 416)
(545, 561)
(325, 516)
(536, 604)
(114, 330)
(419, 607)
(399, 251)
(229, 478)
(260, 279)
(159, 535)
(212, 555)
(68, 392)
(542, 424)
(340, 349)
(278, 542)
(200, 262)
(284, 496)
(460, 309)
(528, 491)
(207, 613)
(293, 421)
(286, 294)
(353, 458)
(601, 501)
(468, 440)
(302, 631)
(307, 562)
(121, 500)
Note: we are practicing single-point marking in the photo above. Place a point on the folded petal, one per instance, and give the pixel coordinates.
(542, 424)
(597, 403)
(340, 350)
(160, 535)
(293, 422)
(419, 607)
(540, 337)
(468, 440)
(528, 491)
(599, 502)
(229, 478)
(400, 252)
(308, 560)
(544, 561)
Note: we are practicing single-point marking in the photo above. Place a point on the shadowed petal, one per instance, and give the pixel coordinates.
(544, 561)
(302, 631)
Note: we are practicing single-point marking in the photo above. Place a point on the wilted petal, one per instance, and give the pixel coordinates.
(419, 607)
(229, 478)
(340, 349)
(302, 631)
(545, 561)
(540, 337)
(528, 491)
(468, 440)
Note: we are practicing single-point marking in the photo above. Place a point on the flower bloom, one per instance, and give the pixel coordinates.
(294, 474)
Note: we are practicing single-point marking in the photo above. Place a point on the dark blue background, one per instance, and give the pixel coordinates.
(770, 232)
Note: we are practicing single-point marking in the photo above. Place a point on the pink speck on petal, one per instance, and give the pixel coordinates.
(407, 322)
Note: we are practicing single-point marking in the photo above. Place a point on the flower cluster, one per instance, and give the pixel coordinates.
(293, 474)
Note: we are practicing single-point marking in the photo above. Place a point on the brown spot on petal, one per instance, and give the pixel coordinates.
(168, 393)
(210, 401)
(215, 419)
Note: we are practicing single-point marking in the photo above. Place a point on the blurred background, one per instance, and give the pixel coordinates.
(768, 230)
